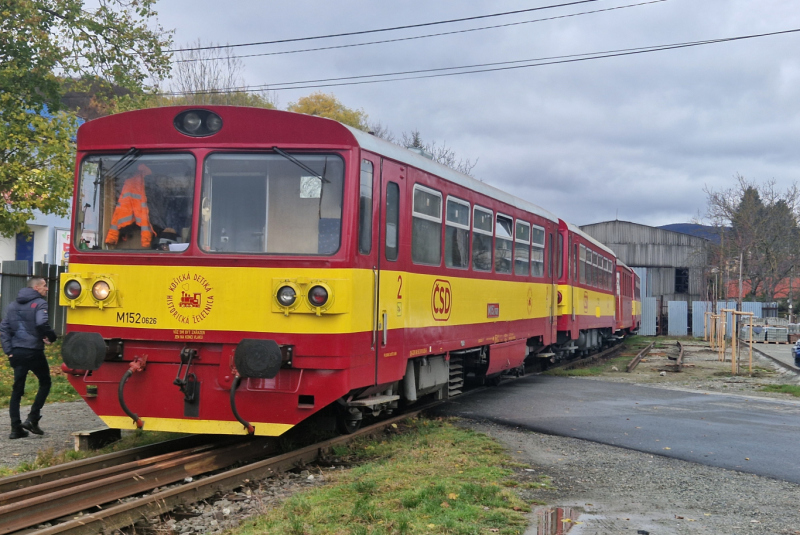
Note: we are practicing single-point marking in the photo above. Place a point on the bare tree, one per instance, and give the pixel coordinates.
(438, 153)
(213, 76)
(759, 234)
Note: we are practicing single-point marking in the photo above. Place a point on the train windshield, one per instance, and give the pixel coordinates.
(135, 202)
(273, 203)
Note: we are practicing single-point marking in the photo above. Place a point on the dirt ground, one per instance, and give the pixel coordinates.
(702, 370)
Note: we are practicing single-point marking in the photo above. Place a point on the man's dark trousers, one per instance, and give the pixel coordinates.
(23, 361)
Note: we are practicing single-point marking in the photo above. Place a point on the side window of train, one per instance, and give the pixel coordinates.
(392, 221)
(560, 256)
(426, 228)
(582, 264)
(575, 262)
(550, 256)
(537, 251)
(503, 240)
(481, 239)
(456, 234)
(365, 208)
(522, 249)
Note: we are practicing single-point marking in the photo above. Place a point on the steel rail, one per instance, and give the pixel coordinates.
(66, 500)
(83, 466)
(635, 361)
(157, 503)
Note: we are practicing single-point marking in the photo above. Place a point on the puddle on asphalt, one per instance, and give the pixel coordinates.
(556, 521)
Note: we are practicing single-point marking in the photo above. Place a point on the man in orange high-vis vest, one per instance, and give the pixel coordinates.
(132, 208)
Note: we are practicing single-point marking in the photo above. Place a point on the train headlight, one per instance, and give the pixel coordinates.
(213, 123)
(191, 122)
(317, 296)
(72, 289)
(286, 296)
(198, 123)
(101, 290)
(560, 297)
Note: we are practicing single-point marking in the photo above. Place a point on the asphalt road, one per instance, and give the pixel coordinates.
(754, 435)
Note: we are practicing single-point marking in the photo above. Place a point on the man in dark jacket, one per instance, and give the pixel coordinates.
(24, 332)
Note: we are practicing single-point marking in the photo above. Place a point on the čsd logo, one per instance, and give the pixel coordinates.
(441, 300)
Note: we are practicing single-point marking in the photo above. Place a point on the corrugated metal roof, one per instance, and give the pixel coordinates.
(579, 232)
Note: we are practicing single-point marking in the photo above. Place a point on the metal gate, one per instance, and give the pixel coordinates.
(678, 318)
(648, 326)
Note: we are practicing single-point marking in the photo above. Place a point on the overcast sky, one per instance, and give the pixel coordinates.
(634, 138)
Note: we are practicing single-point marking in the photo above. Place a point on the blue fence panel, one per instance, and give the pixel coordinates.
(755, 307)
(648, 326)
(700, 322)
(678, 324)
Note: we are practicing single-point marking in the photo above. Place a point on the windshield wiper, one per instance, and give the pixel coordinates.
(122, 164)
(300, 164)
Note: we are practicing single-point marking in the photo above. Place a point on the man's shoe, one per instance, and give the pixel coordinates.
(17, 432)
(33, 427)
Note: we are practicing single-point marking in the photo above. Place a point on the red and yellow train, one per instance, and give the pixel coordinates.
(236, 270)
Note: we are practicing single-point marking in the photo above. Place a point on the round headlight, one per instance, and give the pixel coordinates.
(213, 122)
(560, 297)
(191, 122)
(318, 296)
(287, 296)
(100, 290)
(72, 289)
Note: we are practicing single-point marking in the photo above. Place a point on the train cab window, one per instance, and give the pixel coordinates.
(503, 240)
(537, 251)
(522, 249)
(365, 208)
(426, 228)
(268, 204)
(135, 202)
(481, 239)
(392, 221)
(456, 234)
(582, 264)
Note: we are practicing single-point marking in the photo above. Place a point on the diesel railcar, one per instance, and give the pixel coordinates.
(236, 270)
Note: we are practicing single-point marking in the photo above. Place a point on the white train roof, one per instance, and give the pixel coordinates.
(582, 234)
(403, 155)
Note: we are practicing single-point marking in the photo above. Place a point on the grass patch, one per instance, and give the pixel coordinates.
(60, 391)
(596, 369)
(433, 477)
(783, 389)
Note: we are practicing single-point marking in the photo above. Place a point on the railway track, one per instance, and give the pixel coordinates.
(114, 491)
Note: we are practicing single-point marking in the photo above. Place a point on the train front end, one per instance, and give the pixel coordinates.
(211, 286)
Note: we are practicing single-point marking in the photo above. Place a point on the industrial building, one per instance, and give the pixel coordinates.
(673, 266)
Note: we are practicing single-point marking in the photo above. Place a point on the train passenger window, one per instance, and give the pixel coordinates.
(481, 239)
(426, 228)
(582, 264)
(135, 202)
(267, 203)
(537, 251)
(504, 235)
(560, 256)
(522, 249)
(550, 256)
(456, 234)
(392, 221)
(365, 208)
(595, 271)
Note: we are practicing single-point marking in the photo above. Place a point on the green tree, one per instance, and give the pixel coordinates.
(45, 42)
(324, 105)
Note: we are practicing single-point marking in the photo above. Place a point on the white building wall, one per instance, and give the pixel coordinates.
(8, 248)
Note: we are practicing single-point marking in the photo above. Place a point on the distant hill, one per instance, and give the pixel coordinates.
(692, 229)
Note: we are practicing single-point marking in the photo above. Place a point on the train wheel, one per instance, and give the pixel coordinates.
(348, 419)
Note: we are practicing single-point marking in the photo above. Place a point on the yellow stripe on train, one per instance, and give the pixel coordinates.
(243, 299)
(585, 302)
(176, 425)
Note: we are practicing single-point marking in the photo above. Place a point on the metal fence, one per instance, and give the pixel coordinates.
(649, 317)
(678, 324)
(14, 277)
